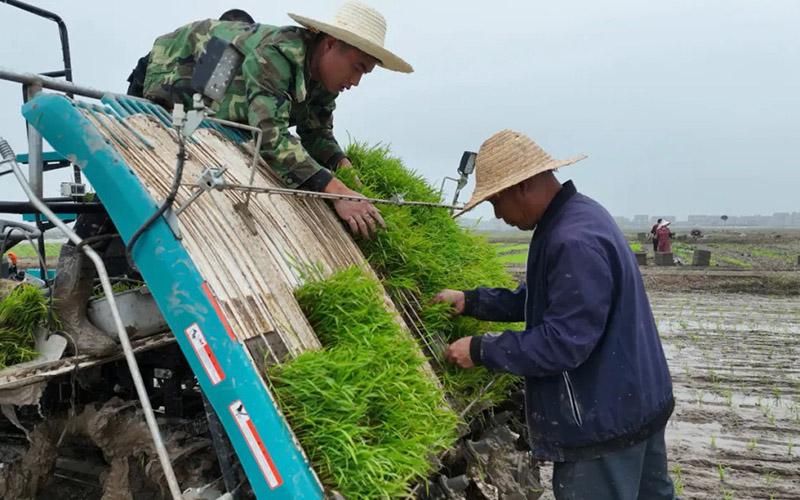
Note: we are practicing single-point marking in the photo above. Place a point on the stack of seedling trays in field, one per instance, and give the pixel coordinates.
(371, 412)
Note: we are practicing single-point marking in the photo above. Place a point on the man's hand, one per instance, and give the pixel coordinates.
(458, 353)
(345, 163)
(362, 217)
(454, 297)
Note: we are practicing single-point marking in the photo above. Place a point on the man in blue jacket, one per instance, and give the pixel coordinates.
(598, 392)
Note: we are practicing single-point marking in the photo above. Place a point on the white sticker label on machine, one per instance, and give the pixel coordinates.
(256, 445)
(205, 354)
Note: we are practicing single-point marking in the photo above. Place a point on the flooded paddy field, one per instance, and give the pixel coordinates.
(735, 363)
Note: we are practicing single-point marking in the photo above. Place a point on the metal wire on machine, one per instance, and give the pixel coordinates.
(7, 156)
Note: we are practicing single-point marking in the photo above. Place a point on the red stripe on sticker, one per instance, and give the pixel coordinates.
(266, 455)
(256, 445)
(213, 359)
(204, 354)
(218, 309)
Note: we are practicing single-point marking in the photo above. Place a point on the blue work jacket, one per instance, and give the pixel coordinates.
(596, 379)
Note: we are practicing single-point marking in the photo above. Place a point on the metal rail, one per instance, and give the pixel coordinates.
(7, 156)
(52, 84)
(62, 33)
(331, 196)
(308, 194)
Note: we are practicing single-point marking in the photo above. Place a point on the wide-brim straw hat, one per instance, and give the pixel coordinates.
(506, 159)
(362, 27)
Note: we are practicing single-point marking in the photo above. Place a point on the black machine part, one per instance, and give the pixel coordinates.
(467, 165)
(12, 232)
(465, 168)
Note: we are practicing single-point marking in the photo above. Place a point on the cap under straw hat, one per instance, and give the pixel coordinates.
(362, 27)
(506, 159)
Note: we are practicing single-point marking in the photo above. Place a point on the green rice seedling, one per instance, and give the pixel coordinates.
(25, 308)
(771, 418)
(776, 392)
(728, 395)
(21, 312)
(699, 395)
(366, 412)
(721, 472)
(677, 479)
(118, 286)
(424, 250)
(713, 442)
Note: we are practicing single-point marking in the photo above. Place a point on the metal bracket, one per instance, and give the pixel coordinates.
(210, 179)
(187, 122)
(465, 168)
(172, 221)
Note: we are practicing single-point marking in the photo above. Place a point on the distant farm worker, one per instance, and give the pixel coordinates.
(655, 237)
(12, 263)
(289, 76)
(664, 235)
(597, 387)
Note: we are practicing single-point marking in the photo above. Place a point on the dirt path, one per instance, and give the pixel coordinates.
(687, 279)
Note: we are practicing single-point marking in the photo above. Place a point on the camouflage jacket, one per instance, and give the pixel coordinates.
(272, 91)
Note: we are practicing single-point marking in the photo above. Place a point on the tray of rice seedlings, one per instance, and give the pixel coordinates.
(22, 309)
(367, 413)
(422, 251)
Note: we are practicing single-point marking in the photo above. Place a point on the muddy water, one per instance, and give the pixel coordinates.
(735, 362)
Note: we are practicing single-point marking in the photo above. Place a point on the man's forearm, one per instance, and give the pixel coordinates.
(335, 186)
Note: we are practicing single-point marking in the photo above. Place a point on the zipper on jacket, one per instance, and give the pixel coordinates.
(576, 413)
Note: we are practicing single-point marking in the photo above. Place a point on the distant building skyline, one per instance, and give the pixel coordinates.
(776, 220)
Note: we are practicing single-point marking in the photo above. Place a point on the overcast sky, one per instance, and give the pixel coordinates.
(683, 106)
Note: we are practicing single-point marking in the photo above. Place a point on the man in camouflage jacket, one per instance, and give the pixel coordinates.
(290, 76)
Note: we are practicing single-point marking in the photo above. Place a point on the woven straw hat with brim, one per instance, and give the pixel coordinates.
(362, 27)
(506, 159)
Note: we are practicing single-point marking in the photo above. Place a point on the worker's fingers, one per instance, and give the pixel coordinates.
(453, 297)
(351, 221)
(458, 353)
(370, 220)
(446, 295)
(362, 226)
(376, 214)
